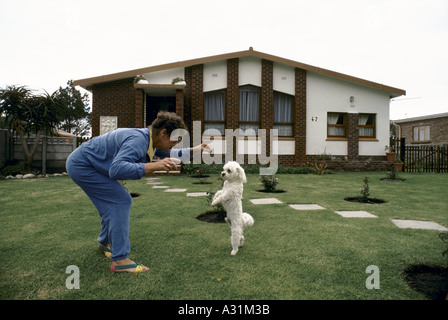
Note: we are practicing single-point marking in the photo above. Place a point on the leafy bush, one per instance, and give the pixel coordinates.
(13, 170)
(269, 183)
(365, 191)
(392, 174)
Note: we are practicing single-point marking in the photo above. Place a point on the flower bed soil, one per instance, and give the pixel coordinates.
(211, 216)
(275, 191)
(364, 200)
(431, 281)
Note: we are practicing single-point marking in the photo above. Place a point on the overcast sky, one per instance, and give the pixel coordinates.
(400, 43)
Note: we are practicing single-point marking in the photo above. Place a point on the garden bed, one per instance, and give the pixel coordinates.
(431, 281)
(392, 180)
(273, 191)
(211, 216)
(364, 200)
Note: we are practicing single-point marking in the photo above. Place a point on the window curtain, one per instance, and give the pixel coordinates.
(250, 130)
(335, 118)
(283, 130)
(214, 110)
(214, 129)
(283, 113)
(249, 105)
(214, 106)
(363, 120)
(282, 108)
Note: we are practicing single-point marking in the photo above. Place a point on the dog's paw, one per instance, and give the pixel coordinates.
(233, 252)
(241, 241)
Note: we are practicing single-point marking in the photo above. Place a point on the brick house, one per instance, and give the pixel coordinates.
(316, 111)
(430, 129)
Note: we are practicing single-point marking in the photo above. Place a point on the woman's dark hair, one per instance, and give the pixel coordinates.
(169, 121)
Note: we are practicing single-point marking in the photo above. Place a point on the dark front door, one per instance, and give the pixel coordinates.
(154, 104)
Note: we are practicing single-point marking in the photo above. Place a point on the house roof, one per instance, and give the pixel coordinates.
(427, 117)
(87, 83)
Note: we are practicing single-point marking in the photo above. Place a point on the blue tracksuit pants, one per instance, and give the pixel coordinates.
(110, 198)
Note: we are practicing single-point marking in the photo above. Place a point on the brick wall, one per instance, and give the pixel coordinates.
(197, 93)
(438, 130)
(232, 94)
(359, 166)
(352, 136)
(267, 101)
(180, 103)
(116, 98)
(233, 102)
(187, 99)
(139, 108)
(300, 117)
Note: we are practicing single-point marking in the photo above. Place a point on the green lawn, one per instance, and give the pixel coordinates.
(50, 224)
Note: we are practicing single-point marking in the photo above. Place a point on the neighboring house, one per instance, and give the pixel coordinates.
(316, 111)
(430, 129)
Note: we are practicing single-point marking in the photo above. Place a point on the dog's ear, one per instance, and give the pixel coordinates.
(242, 174)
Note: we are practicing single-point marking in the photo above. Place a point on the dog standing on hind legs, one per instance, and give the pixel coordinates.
(230, 197)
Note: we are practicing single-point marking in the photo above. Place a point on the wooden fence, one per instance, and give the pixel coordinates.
(422, 158)
(51, 153)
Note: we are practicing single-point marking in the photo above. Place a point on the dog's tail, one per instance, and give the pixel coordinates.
(248, 220)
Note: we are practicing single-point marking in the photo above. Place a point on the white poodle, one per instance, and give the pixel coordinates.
(230, 197)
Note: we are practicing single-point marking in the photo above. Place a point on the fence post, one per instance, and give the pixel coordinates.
(75, 143)
(403, 151)
(44, 155)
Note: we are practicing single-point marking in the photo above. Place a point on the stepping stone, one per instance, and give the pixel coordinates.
(154, 182)
(152, 178)
(175, 190)
(160, 187)
(197, 194)
(306, 206)
(265, 201)
(416, 224)
(356, 214)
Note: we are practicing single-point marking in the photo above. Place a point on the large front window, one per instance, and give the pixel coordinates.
(283, 114)
(336, 125)
(214, 112)
(366, 125)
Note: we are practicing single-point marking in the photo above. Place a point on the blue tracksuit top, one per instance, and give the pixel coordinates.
(121, 154)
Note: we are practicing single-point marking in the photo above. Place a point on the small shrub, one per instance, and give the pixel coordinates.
(269, 183)
(393, 174)
(319, 167)
(13, 170)
(365, 191)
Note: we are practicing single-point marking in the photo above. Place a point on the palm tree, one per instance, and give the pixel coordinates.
(27, 113)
